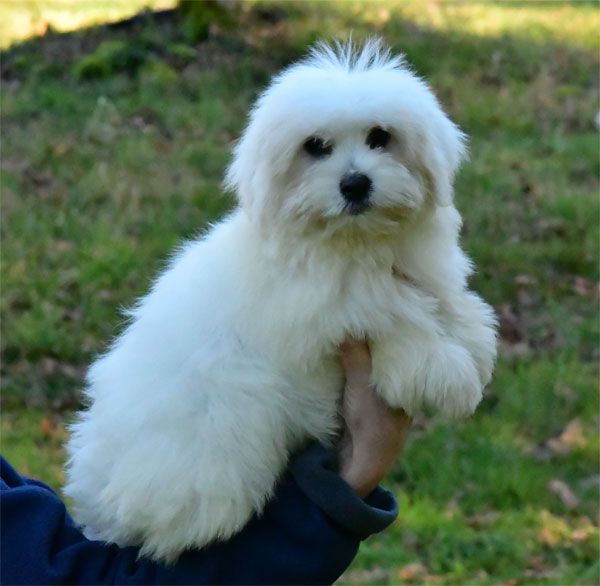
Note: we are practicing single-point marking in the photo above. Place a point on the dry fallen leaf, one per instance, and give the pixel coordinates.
(571, 437)
(548, 537)
(63, 245)
(61, 148)
(375, 575)
(50, 366)
(537, 568)
(514, 351)
(564, 493)
(580, 535)
(483, 519)
(525, 280)
(552, 226)
(510, 325)
(412, 571)
(583, 530)
(52, 427)
(527, 299)
(47, 425)
(565, 392)
(433, 579)
(585, 287)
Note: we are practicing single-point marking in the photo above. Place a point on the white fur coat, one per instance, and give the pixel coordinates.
(230, 363)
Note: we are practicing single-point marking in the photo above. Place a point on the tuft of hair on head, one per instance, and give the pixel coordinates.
(351, 56)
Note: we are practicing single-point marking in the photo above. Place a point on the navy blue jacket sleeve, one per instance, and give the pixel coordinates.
(308, 534)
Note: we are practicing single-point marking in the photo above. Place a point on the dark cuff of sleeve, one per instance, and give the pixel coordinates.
(314, 472)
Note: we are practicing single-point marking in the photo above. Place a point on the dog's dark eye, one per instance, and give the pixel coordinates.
(316, 147)
(378, 138)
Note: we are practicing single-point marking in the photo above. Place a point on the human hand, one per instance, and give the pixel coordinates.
(374, 433)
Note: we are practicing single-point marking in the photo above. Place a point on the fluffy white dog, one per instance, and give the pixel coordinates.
(345, 227)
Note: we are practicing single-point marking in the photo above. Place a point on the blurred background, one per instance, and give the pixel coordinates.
(117, 123)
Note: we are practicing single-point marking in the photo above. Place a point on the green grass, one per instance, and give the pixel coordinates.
(115, 143)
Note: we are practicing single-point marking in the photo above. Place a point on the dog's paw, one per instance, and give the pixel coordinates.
(444, 377)
(451, 383)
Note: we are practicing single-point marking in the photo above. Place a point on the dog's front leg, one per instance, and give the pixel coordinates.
(471, 323)
(413, 368)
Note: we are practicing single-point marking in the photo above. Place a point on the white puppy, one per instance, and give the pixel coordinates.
(345, 227)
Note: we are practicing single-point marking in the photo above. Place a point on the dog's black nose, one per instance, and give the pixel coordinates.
(355, 187)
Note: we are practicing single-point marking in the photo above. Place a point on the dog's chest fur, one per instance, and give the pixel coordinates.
(298, 307)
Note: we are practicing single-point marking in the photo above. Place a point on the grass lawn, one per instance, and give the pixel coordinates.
(114, 144)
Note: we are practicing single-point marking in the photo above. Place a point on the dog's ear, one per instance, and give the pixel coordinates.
(443, 148)
(260, 158)
(241, 173)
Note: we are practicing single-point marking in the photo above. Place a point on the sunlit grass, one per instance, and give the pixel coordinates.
(23, 19)
(575, 25)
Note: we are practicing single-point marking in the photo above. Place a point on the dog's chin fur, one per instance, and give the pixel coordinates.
(229, 364)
